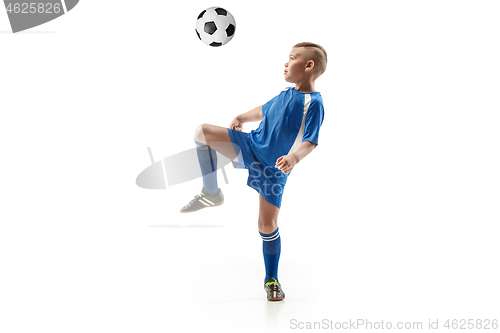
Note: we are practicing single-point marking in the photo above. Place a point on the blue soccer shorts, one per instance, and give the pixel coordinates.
(260, 178)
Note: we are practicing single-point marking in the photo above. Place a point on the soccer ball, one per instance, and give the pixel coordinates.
(215, 26)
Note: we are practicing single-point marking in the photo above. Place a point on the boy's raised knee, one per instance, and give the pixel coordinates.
(199, 133)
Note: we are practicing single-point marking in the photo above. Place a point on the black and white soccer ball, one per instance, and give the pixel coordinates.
(215, 26)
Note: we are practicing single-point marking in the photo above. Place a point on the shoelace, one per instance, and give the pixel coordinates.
(274, 286)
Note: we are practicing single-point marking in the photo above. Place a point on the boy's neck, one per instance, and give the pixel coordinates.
(305, 86)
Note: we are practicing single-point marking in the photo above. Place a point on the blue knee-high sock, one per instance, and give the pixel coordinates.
(208, 163)
(271, 248)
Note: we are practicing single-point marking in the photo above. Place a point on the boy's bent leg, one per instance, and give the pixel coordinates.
(271, 248)
(217, 138)
(210, 195)
(208, 164)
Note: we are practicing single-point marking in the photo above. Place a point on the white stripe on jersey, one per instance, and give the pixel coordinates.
(298, 140)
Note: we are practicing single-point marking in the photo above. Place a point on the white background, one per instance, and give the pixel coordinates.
(393, 217)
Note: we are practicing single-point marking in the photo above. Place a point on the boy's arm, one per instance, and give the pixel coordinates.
(286, 162)
(252, 115)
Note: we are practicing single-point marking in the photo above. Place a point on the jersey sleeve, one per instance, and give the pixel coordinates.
(314, 119)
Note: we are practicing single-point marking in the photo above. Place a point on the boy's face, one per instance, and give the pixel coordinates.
(296, 65)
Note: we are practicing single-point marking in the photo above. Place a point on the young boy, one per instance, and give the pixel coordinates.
(288, 132)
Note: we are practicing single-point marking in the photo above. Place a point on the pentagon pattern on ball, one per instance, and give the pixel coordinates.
(215, 26)
(230, 30)
(210, 28)
(221, 11)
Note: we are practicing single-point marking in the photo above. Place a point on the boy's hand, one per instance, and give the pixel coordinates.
(236, 125)
(286, 163)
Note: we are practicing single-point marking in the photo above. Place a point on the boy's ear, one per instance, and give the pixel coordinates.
(310, 65)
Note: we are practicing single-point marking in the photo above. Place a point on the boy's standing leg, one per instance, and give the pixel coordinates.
(271, 248)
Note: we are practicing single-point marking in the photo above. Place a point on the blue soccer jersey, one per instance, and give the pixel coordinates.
(290, 118)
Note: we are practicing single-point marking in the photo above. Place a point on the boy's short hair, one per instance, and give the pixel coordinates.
(317, 54)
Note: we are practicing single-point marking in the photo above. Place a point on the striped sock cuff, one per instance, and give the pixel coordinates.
(270, 237)
(201, 146)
